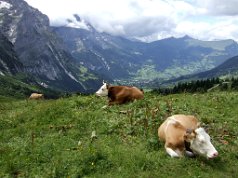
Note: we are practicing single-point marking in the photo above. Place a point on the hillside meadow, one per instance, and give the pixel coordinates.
(76, 137)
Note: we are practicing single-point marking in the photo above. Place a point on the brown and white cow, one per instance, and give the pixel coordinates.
(182, 135)
(120, 94)
(36, 96)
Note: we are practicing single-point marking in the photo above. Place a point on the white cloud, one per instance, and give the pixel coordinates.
(219, 7)
(149, 19)
(225, 28)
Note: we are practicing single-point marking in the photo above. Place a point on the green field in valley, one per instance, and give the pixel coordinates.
(53, 138)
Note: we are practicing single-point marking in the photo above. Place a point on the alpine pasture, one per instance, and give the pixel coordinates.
(76, 137)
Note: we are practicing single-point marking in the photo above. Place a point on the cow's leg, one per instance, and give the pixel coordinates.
(189, 154)
(113, 102)
(116, 101)
(171, 152)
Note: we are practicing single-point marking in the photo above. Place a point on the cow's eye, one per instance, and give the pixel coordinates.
(201, 141)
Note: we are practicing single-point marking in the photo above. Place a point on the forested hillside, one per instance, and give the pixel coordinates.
(202, 86)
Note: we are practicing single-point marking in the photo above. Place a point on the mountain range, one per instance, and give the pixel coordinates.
(76, 57)
(129, 60)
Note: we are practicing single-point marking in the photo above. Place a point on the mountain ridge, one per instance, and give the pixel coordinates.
(228, 68)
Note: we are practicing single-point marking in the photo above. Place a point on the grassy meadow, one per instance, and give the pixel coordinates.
(53, 138)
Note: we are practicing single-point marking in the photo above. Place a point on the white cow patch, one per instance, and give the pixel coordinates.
(103, 91)
(202, 145)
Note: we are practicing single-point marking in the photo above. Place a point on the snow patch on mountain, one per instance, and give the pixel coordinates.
(5, 65)
(5, 5)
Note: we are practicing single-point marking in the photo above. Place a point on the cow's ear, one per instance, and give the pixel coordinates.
(189, 135)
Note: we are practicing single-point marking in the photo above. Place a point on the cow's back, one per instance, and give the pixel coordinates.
(36, 96)
(137, 93)
(171, 124)
(188, 121)
(116, 91)
(124, 93)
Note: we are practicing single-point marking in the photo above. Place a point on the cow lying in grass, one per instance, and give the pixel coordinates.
(36, 96)
(120, 94)
(182, 135)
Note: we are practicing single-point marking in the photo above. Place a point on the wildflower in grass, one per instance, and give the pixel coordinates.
(79, 143)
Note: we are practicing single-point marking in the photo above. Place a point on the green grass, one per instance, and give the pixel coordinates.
(148, 72)
(40, 138)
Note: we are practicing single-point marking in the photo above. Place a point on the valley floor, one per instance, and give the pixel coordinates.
(53, 138)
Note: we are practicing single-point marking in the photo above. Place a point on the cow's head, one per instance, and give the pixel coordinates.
(200, 143)
(103, 90)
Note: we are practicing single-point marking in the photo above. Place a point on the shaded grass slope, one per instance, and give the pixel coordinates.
(21, 86)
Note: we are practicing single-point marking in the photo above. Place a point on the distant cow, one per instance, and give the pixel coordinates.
(120, 94)
(182, 134)
(36, 96)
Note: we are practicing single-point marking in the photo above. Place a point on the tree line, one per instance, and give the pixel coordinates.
(200, 86)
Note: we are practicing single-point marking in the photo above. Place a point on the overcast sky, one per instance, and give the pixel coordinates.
(149, 19)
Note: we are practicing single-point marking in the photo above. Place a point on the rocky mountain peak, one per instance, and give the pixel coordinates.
(76, 16)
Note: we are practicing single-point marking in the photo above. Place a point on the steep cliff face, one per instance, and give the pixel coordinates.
(41, 52)
(9, 62)
(106, 54)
